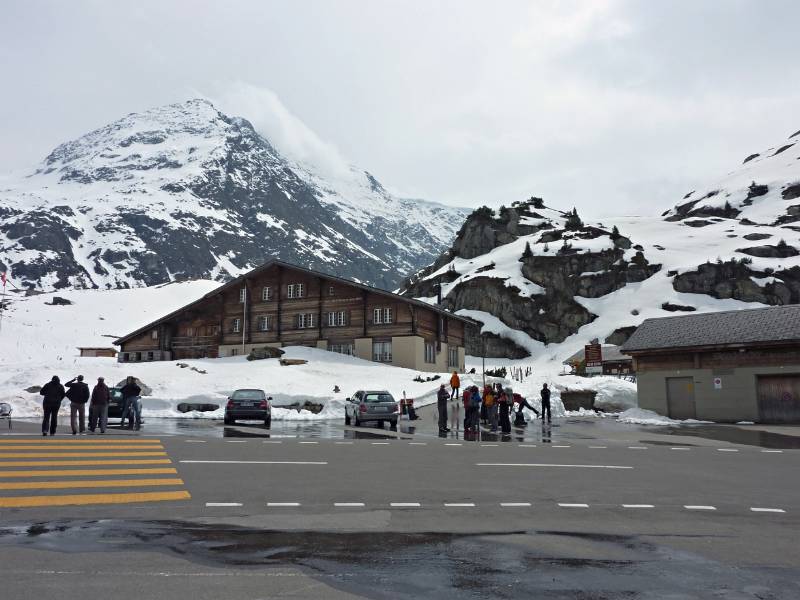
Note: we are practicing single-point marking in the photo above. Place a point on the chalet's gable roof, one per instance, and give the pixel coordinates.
(774, 324)
(273, 263)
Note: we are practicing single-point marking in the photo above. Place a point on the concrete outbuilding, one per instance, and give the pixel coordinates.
(741, 365)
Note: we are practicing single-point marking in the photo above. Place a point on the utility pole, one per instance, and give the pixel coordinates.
(244, 318)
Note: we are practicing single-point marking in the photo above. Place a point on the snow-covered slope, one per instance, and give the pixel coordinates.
(185, 191)
(543, 283)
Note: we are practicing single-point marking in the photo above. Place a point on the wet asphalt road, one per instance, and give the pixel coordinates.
(283, 516)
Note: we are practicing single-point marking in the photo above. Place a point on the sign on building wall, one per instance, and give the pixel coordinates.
(593, 355)
(717, 383)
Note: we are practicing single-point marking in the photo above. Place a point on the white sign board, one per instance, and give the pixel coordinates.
(598, 370)
(717, 383)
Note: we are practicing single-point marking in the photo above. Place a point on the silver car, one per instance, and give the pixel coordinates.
(370, 405)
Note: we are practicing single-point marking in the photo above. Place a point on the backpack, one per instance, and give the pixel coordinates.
(475, 400)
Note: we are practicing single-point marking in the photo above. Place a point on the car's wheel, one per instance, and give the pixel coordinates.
(380, 424)
(358, 421)
(229, 421)
(268, 422)
(393, 424)
(346, 418)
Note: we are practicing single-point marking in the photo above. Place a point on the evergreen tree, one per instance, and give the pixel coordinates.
(615, 233)
(527, 253)
(573, 220)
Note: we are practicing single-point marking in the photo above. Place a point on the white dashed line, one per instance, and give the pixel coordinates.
(727, 450)
(551, 465)
(637, 447)
(195, 441)
(561, 446)
(680, 448)
(451, 444)
(572, 505)
(768, 510)
(597, 447)
(489, 445)
(282, 504)
(698, 507)
(405, 504)
(223, 503)
(272, 442)
(773, 451)
(514, 504)
(459, 504)
(638, 506)
(380, 443)
(527, 446)
(235, 441)
(348, 504)
(417, 443)
(343, 442)
(309, 442)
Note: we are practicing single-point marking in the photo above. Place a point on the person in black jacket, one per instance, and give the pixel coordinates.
(53, 393)
(545, 393)
(78, 394)
(442, 397)
(132, 403)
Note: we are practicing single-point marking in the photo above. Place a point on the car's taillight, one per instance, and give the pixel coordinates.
(230, 404)
(362, 408)
(394, 408)
(263, 404)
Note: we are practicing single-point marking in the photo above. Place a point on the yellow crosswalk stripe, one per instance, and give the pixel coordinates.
(91, 483)
(70, 463)
(79, 454)
(85, 472)
(81, 499)
(102, 447)
(67, 440)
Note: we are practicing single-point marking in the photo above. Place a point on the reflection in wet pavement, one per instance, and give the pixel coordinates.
(523, 564)
(736, 435)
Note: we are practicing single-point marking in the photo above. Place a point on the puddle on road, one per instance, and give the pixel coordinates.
(735, 435)
(534, 564)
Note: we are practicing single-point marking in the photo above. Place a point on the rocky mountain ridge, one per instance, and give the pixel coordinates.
(184, 191)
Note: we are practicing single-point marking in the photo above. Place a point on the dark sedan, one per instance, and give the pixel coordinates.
(249, 404)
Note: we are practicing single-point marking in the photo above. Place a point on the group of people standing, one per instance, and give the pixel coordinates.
(78, 394)
(493, 406)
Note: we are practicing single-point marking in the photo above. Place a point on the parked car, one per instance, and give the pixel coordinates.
(115, 403)
(248, 404)
(370, 405)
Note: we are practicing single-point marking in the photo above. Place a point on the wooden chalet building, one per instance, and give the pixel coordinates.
(279, 304)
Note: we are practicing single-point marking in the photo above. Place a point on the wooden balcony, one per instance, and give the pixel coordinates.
(196, 341)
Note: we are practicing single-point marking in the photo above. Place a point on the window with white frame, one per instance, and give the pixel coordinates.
(382, 351)
(430, 353)
(381, 316)
(306, 320)
(236, 327)
(331, 291)
(337, 319)
(264, 322)
(266, 293)
(154, 334)
(234, 352)
(242, 295)
(452, 356)
(296, 290)
(342, 349)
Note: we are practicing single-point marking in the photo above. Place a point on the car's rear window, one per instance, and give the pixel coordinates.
(248, 395)
(378, 398)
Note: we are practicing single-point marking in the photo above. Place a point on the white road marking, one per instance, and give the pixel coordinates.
(527, 446)
(255, 462)
(637, 447)
(514, 504)
(459, 504)
(572, 505)
(597, 447)
(417, 443)
(698, 507)
(223, 503)
(727, 450)
(680, 448)
(451, 444)
(551, 465)
(272, 442)
(561, 446)
(195, 441)
(343, 442)
(768, 510)
(309, 442)
(235, 441)
(284, 435)
(638, 506)
(380, 443)
(348, 504)
(488, 445)
(774, 451)
(405, 504)
(282, 504)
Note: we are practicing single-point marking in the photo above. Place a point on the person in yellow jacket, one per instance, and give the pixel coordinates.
(455, 383)
(491, 407)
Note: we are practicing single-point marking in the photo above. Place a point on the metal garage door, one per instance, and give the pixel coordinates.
(779, 398)
(680, 397)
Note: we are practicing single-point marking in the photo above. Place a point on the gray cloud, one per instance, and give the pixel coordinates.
(611, 106)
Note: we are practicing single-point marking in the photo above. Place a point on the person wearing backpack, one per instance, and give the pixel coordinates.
(475, 406)
(491, 408)
(505, 402)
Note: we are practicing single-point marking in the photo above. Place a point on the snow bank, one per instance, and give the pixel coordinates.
(640, 416)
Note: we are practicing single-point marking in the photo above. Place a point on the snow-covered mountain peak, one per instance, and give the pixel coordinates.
(185, 191)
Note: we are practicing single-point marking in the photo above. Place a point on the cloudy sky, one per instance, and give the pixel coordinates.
(611, 106)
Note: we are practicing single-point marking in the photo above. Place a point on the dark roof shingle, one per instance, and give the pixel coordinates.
(750, 326)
